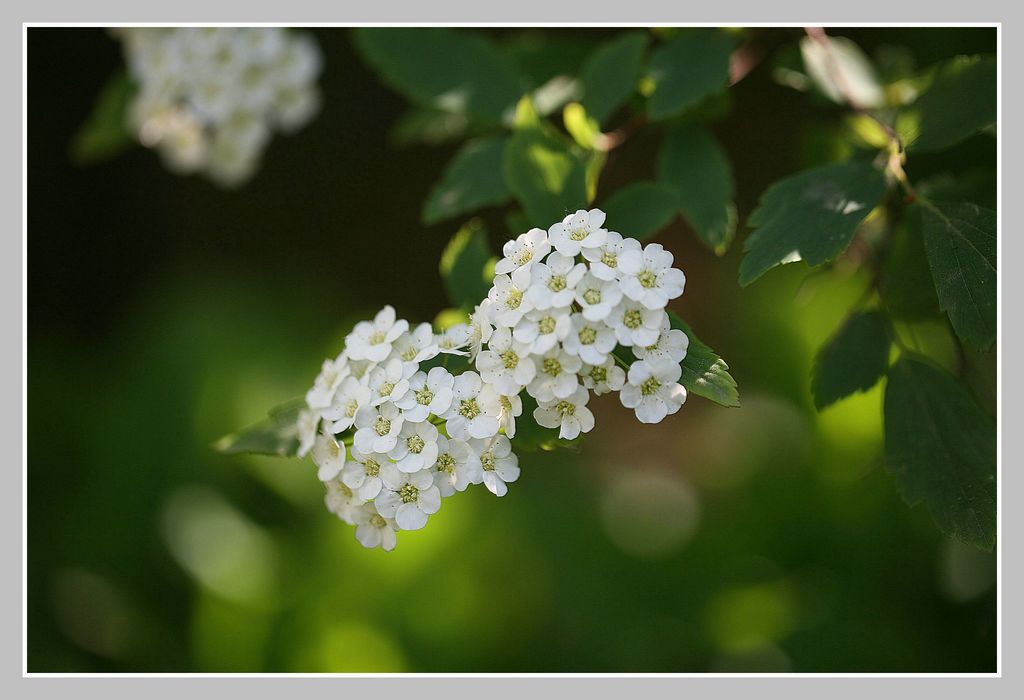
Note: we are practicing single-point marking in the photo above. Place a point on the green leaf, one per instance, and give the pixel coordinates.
(961, 243)
(810, 216)
(610, 74)
(686, 69)
(451, 69)
(582, 127)
(277, 435)
(841, 70)
(642, 209)
(693, 163)
(530, 436)
(546, 175)
(105, 133)
(960, 102)
(941, 447)
(465, 264)
(905, 284)
(471, 180)
(704, 372)
(428, 125)
(853, 360)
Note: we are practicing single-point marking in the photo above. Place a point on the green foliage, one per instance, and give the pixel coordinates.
(905, 284)
(465, 266)
(694, 165)
(105, 133)
(547, 175)
(643, 208)
(941, 448)
(704, 372)
(277, 435)
(960, 102)
(961, 243)
(453, 70)
(610, 74)
(810, 216)
(853, 360)
(583, 128)
(471, 180)
(688, 68)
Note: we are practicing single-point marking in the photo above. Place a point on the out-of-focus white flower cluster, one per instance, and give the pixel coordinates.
(391, 438)
(210, 98)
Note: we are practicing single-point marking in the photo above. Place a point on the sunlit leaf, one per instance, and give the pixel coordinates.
(642, 209)
(277, 435)
(852, 360)
(841, 70)
(960, 102)
(464, 266)
(686, 69)
(941, 447)
(471, 180)
(546, 175)
(610, 74)
(105, 133)
(810, 216)
(580, 125)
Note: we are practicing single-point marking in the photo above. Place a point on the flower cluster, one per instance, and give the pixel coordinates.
(209, 98)
(392, 431)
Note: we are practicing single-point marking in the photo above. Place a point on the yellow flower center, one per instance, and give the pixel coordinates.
(510, 359)
(382, 426)
(647, 279)
(424, 396)
(552, 366)
(408, 493)
(633, 318)
(649, 386)
(469, 409)
(588, 335)
(415, 444)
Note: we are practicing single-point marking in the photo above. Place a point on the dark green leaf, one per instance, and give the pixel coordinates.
(471, 180)
(688, 68)
(464, 266)
(452, 69)
(277, 435)
(428, 125)
(704, 372)
(105, 133)
(546, 175)
(538, 60)
(610, 74)
(961, 243)
(853, 360)
(693, 163)
(642, 209)
(810, 216)
(941, 447)
(905, 284)
(960, 102)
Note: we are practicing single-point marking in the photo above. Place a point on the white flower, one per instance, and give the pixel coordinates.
(597, 297)
(306, 425)
(578, 231)
(604, 261)
(542, 330)
(428, 393)
(507, 407)
(373, 529)
(389, 381)
(480, 328)
(603, 378)
(649, 277)
(416, 346)
(329, 456)
(341, 500)
(521, 253)
(652, 390)
(416, 448)
(556, 375)
(350, 396)
(371, 340)
(362, 473)
(508, 303)
(454, 339)
(408, 498)
(553, 282)
(635, 324)
(591, 340)
(468, 417)
(500, 466)
(457, 466)
(506, 363)
(671, 344)
(571, 416)
(377, 428)
(331, 375)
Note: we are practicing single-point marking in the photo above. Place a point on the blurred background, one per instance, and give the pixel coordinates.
(164, 313)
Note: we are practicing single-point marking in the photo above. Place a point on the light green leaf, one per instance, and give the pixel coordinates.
(546, 175)
(277, 435)
(583, 129)
(941, 447)
(810, 216)
(465, 266)
(687, 69)
(852, 360)
(960, 102)
(451, 69)
(704, 372)
(693, 163)
(610, 74)
(642, 209)
(961, 243)
(841, 70)
(471, 180)
(105, 133)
